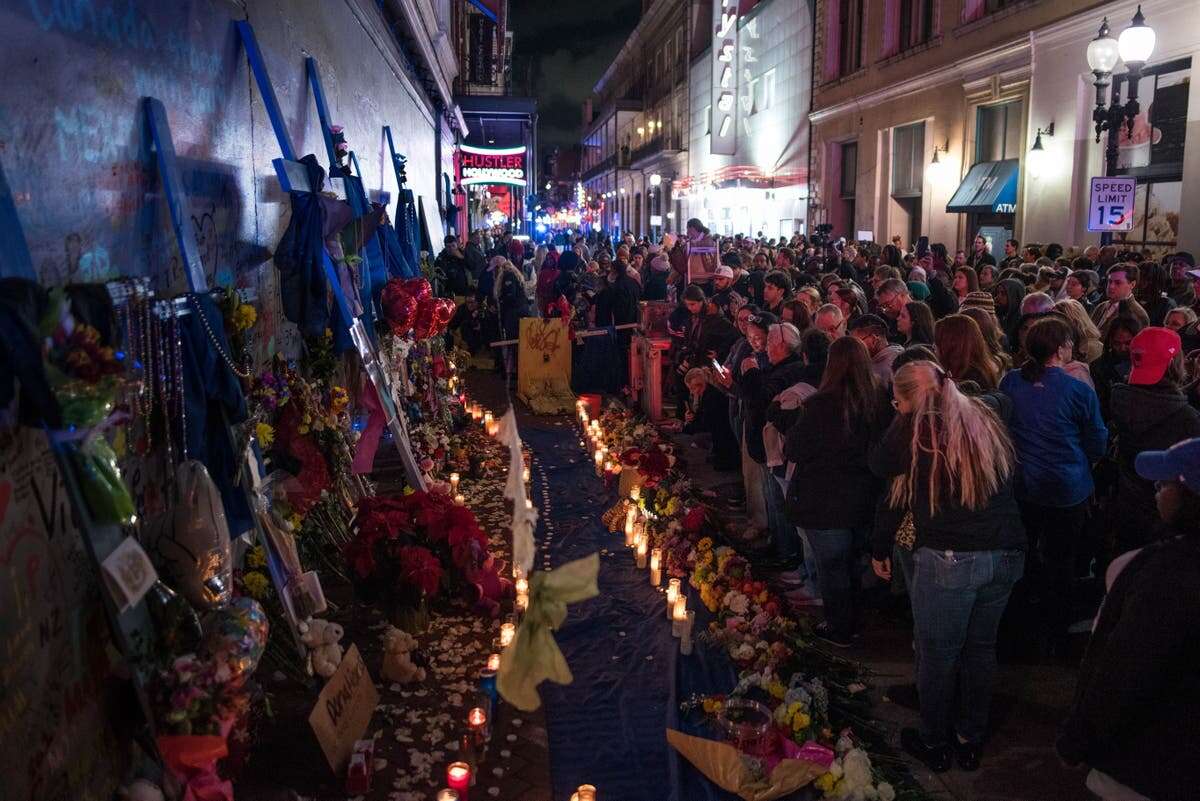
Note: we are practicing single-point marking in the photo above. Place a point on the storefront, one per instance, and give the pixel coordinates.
(494, 181)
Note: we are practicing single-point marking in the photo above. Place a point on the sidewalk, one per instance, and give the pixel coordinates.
(1029, 702)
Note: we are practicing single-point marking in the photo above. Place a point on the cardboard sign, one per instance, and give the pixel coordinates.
(344, 709)
(1111, 204)
(543, 357)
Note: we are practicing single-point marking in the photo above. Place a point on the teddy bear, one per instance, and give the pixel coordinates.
(322, 637)
(397, 663)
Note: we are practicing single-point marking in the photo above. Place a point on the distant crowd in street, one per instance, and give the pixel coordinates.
(992, 430)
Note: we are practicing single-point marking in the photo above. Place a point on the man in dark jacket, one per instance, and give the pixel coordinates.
(1136, 717)
(453, 270)
(476, 261)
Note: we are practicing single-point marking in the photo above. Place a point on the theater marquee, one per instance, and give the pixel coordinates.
(489, 165)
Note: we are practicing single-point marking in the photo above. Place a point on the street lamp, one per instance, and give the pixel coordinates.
(1134, 48)
(655, 179)
(1037, 160)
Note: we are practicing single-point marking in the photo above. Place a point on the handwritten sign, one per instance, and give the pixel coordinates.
(56, 680)
(544, 356)
(344, 709)
(1111, 204)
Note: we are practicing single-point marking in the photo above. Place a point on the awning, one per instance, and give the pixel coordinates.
(989, 188)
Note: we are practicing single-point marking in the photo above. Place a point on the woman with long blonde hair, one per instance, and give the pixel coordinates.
(1088, 344)
(949, 459)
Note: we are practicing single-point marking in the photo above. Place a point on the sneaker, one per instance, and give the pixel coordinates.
(968, 755)
(824, 632)
(936, 758)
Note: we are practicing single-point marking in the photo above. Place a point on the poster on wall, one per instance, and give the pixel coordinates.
(55, 676)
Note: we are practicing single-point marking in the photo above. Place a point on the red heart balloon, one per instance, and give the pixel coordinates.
(419, 288)
(399, 306)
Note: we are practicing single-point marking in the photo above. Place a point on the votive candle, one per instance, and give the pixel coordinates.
(458, 776)
(656, 566)
(525, 475)
(477, 720)
(630, 533)
(586, 792)
(507, 632)
(448, 795)
(454, 478)
(522, 601)
(635, 493)
(672, 594)
(521, 585)
(460, 499)
(685, 641)
(641, 551)
(488, 418)
(679, 616)
(493, 662)
(493, 428)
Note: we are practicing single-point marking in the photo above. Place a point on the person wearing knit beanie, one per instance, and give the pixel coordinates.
(978, 300)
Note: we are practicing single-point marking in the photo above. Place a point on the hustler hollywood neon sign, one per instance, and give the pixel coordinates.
(486, 165)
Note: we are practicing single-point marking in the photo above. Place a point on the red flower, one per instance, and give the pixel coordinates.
(420, 567)
(693, 521)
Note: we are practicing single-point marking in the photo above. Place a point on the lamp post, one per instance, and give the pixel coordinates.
(1134, 47)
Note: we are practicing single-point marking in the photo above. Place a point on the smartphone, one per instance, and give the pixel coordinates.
(717, 366)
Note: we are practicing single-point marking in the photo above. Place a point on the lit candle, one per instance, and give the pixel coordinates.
(477, 721)
(641, 551)
(459, 498)
(487, 419)
(454, 482)
(656, 567)
(526, 475)
(672, 594)
(448, 795)
(521, 585)
(458, 776)
(586, 792)
(630, 533)
(493, 662)
(528, 503)
(522, 601)
(507, 632)
(599, 463)
(685, 641)
(493, 428)
(679, 617)
(635, 493)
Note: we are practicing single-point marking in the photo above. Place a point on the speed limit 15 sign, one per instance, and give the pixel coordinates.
(1110, 206)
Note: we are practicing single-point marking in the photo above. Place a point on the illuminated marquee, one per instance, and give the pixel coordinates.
(486, 165)
(724, 78)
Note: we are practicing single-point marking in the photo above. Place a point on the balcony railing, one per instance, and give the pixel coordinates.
(661, 143)
(618, 159)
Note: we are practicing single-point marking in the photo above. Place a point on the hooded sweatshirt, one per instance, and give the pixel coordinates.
(1010, 322)
(881, 363)
(1146, 419)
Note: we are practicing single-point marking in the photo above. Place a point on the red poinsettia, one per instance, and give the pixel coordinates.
(419, 567)
(693, 521)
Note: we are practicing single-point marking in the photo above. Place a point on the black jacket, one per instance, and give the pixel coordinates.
(1136, 714)
(759, 388)
(476, 261)
(832, 485)
(997, 526)
(655, 285)
(1145, 419)
(455, 273)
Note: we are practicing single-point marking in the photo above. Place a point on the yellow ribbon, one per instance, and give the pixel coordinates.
(534, 656)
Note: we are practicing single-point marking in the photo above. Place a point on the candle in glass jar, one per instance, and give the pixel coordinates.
(454, 478)
(642, 549)
(672, 594)
(477, 721)
(448, 795)
(522, 601)
(493, 662)
(460, 499)
(630, 533)
(635, 493)
(493, 428)
(685, 640)
(458, 776)
(521, 585)
(488, 418)
(586, 792)
(656, 567)
(507, 632)
(526, 475)
(679, 616)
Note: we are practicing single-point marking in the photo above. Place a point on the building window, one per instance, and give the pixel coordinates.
(998, 131)
(750, 101)
(849, 35)
(848, 182)
(915, 23)
(908, 160)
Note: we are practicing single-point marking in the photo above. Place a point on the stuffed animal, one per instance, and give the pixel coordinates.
(322, 639)
(397, 663)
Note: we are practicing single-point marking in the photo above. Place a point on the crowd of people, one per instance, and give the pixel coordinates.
(985, 430)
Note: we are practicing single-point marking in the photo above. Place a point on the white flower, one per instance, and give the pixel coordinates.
(886, 792)
(857, 766)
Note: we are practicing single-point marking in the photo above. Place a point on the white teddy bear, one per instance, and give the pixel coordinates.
(322, 639)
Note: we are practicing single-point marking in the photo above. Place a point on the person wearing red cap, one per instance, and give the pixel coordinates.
(1150, 412)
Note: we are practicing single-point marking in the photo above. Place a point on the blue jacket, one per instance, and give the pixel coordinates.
(1058, 433)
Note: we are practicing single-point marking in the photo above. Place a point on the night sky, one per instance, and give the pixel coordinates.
(564, 46)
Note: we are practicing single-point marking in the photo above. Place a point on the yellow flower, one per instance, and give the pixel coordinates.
(295, 521)
(705, 544)
(801, 722)
(301, 429)
(339, 398)
(825, 782)
(265, 433)
(777, 690)
(256, 584)
(256, 557)
(244, 316)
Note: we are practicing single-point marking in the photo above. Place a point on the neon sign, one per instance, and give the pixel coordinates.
(723, 125)
(485, 165)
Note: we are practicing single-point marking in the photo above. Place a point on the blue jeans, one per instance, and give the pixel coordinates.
(783, 533)
(838, 575)
(958, 598)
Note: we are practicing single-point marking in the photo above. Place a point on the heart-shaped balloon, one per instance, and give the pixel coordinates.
(419, 288)
(399, 306)
(443, 311)
(423, 322)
